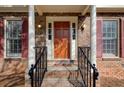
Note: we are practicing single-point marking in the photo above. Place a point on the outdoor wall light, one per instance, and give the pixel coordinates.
(39, 26)
(82, 27)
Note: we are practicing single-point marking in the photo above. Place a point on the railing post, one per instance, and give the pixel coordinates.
(78, 57)
(31, 74)
(46, 57)
(90, 76)
(35, 53)
(94, 81)
(87, 73)
(95, 75)
(40, 72)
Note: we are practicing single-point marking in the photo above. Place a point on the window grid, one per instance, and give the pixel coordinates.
(73, 31)
(110, 37)
(13, 38)
(49, 31)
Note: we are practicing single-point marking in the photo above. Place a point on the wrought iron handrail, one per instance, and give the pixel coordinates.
(88, 71)
(37, 71)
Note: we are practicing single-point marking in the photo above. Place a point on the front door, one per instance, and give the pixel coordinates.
(61, 40)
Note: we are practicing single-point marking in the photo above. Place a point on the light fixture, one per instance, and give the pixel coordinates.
(39, 26)
(82, 27)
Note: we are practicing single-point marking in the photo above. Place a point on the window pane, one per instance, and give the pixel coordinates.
(110, 36)
(73, 25)
(49, 25)
(13, 40)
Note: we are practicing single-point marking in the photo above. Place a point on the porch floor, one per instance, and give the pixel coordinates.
(62, 76)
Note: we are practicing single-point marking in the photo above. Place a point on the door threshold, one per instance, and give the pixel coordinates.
(61, 62)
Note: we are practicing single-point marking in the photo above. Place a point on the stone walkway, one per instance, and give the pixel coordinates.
(111, 73)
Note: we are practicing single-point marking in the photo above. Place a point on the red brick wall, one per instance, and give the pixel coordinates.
(83, 36)
(4, 62)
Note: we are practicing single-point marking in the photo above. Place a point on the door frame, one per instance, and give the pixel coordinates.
(70, 19)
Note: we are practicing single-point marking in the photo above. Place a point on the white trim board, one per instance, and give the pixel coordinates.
(50, 43)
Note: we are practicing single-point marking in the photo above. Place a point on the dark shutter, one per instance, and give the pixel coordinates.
(122, 38)
(1, 37)
(24, 37)
(99, 38)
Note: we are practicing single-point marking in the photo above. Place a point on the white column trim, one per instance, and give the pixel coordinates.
(31, 36)
(93, 34)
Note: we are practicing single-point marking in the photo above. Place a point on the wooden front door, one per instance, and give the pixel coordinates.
(61, 40)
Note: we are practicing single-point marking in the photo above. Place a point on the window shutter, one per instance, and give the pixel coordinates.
(99, 38)
(1, 37)
(122, 38)
(24, 37)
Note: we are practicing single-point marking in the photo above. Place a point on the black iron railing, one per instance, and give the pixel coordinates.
(38, 70)
(88, 71)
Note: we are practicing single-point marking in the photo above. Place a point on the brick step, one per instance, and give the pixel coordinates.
(60, 74)
(62, 63)
(62, 83)
(63, 78)
(62, 67)
(56, 83)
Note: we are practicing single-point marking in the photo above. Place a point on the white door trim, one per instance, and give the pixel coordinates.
(50, 43)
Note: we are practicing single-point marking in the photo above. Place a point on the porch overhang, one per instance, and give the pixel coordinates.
(82, 9)
(13, 8)
(61, 9)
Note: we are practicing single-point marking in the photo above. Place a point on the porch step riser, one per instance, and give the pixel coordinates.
(61, 69)
(60, 74)
(62, 63)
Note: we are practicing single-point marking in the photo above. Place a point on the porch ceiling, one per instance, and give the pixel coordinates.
(60, 8)
(83, 9)
(13, 8)
(110, 8)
